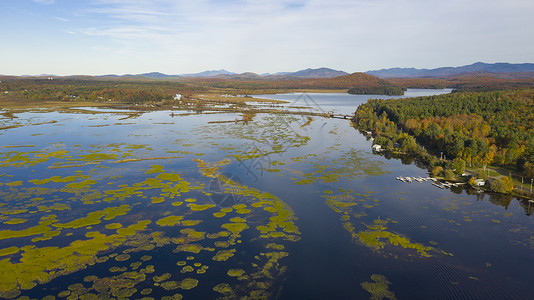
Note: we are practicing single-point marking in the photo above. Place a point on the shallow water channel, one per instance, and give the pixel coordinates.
(103, 203)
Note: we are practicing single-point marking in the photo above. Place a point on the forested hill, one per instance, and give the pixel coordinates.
(357, 83)
(479, 128)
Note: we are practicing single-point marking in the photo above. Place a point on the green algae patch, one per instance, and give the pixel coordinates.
(35, 230)
(113, 226)
(187, 269)
(154, 169)
(239, 206)
(146, 257)
(243, 211)
(238, 220)
(189, 235)
(170, 285)
(169, 177)
(169, 221)
(161, 278)
(79, 186)
(15, 221)
(157, 199)
(224, 288)
(9, 251)
(94, 218)
(211, 170)
(224, 255)
(376, 237)
(188, 283)
(379, 289)
(191, 248)
(191, 222)
(196, 207)
(235, 228)
(173, 297)
(275, 246)
(236, 272)
(219, 214)
(122, 257)
(40, 265)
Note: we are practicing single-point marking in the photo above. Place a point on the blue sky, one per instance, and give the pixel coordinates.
(95, 37)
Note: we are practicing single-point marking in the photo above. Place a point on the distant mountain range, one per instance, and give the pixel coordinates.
(478, 67)
(308, 73)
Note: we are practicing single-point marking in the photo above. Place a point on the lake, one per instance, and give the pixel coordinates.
(340, 103)
(105, 203)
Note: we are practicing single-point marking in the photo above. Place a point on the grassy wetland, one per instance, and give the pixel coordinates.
(199, 202)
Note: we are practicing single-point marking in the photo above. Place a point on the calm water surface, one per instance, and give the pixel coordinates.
(107, 204)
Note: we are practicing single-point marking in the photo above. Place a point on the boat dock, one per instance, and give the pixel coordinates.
(435, 181)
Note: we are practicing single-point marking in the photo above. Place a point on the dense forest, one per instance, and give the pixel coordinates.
(68, 89)
(143, 90)
(360, 83)
(474, 129)
(472, 82)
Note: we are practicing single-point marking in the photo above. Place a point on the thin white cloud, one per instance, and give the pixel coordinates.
(47, 2)
(276, 35)
(68, 31)
(62, 19)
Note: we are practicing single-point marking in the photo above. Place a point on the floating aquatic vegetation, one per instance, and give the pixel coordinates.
(191, 222)
(40, 265)
(350, 164)
(187, 269)
(16, 221)
(157, 200)
(224, 255)
(219, 214)
(379, 289)
(169, 221)
(113, 226)
(161, 278)
(93, 218)
(224, 288)
(376, 237)
(9, 251)
(89, 189)
(211, 170)
(196, 207)
(189, 235)
(235, 228)
(170, 285)
(191, 248)
(122, 257)
(188, 283)
(236, 272)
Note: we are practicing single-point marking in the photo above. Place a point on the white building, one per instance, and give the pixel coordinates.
(377, 148)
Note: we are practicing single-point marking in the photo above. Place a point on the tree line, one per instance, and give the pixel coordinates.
(67, 89)
(476, 129)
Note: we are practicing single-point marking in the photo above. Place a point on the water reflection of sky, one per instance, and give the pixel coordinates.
(341, 103)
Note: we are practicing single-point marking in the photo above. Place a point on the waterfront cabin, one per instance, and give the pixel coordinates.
(377, 148)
